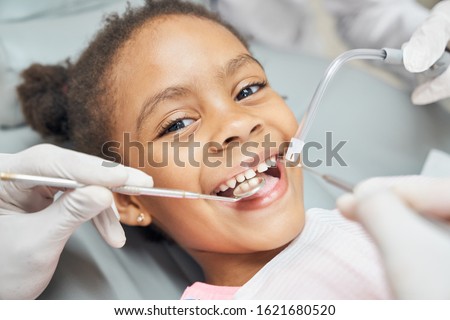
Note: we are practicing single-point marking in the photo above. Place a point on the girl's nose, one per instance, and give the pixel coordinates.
(237, 127)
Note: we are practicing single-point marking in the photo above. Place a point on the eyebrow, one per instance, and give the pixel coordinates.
(236, 63)
(151, 103)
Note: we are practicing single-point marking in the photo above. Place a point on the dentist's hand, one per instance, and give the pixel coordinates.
(34, 228)
(425, 47)
(410, 223)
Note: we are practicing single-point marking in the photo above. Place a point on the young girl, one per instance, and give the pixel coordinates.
(170, 74)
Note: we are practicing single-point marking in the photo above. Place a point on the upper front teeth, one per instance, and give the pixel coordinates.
(231, 183)
(272, 161)
(240, 177)
(250, 173)
(262, 167)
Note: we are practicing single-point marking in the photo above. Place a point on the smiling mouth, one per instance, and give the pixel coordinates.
(267, 170)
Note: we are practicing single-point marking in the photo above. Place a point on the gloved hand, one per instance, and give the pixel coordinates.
(410, 223)
(34, 228)
(425, 47)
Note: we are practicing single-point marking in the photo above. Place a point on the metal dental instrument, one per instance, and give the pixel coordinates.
(171, 193)
(337, 182)
(131, 190)
(390, 56)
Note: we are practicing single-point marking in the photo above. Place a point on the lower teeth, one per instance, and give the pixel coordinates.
(246, 186)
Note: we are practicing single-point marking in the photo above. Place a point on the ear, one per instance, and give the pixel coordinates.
(131, 211)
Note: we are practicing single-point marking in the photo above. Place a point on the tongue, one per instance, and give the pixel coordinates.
(270, 184)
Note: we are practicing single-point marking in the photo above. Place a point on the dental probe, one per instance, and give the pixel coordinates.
(337, 182)
(133, 190)
(388, 55)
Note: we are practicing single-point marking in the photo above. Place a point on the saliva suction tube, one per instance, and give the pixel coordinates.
(388, 55)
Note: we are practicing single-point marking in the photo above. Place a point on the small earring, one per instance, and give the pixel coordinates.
(140, 218)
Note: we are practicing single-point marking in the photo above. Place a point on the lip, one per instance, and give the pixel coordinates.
(239, 170)
(264, 197)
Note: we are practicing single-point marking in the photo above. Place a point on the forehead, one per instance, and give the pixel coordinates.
(176, 41)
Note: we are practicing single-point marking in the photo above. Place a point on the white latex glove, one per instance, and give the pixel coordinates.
(34, 228)
(410, 222)
(425, 47)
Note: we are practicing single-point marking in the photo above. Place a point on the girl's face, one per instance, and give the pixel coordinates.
(192, 95)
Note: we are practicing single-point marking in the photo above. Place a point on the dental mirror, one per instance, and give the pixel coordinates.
(249, 188)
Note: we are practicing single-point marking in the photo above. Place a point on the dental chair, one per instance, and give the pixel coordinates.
(385, 134)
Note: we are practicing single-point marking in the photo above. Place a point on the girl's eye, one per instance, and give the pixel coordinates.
(177, 125)
(249, 90)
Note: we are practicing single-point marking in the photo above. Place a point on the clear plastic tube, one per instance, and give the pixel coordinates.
(388, 55)
(311, 111)
(298, 141)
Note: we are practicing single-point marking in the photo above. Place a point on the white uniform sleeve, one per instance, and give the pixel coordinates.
(291, 24)
(285, 24)
(376, 23)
